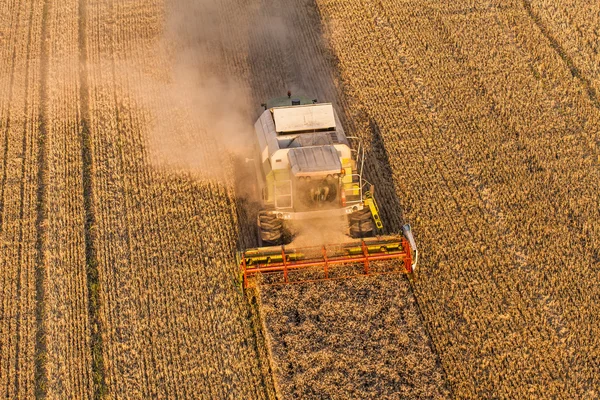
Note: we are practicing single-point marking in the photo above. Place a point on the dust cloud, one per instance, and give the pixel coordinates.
(207, 116)
(204, 117)
(224, 58)
(319, 232)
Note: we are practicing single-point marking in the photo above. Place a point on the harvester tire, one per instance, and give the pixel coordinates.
(361, 224)
(270, 229)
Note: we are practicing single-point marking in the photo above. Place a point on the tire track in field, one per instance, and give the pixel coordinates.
(575, 72)
(93, 288)
(41, 240)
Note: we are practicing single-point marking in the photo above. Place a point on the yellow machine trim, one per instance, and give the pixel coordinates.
(274, 254)
(347, 167)
(350, 187)
(370, 202)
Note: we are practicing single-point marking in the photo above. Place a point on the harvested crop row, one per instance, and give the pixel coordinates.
(476, 138)
(284, 51)
(357, 338)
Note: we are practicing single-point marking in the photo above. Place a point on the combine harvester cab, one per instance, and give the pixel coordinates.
(308, 171)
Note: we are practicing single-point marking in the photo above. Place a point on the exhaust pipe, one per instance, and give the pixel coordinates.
(407, 231)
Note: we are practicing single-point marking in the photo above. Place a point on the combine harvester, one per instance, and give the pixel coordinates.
(307, 171)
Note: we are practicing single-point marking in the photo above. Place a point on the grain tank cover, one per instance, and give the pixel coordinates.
(314, 161)
(311, 117)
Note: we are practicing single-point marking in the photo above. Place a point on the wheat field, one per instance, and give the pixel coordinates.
(124, 195)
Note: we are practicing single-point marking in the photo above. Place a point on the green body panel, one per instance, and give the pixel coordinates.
(277, 175)
(270, 180)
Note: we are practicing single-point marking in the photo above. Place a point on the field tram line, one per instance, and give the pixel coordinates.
(102, 223)
(93, 280)
(41, 377)
(556, 46)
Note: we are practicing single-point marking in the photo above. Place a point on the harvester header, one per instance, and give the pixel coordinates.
(286, 264)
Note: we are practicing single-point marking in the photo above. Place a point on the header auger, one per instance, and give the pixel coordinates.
(307, 171)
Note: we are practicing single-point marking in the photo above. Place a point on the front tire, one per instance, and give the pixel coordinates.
(361, 224)
(270, 229)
